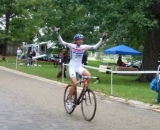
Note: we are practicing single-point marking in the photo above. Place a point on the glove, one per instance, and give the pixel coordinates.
(56, 30)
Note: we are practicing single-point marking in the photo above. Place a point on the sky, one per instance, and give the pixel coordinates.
(2, 23)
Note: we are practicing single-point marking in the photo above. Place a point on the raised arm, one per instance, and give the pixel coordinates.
(60, 38)
(98, 44)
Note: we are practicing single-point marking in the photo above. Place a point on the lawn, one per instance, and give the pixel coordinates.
(123, 86)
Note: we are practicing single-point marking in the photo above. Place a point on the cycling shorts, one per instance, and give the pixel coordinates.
(73, 70)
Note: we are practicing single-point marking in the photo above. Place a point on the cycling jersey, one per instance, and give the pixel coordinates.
(76, 54)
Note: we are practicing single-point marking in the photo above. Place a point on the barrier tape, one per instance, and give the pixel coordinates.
(122, 72)
(91, 67)
(135, 72)
(118, 72)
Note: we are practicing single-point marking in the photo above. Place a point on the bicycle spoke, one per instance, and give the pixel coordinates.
(66, 93)
(88, 105)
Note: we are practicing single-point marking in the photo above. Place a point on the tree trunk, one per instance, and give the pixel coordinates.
(7, 15)
(152, 46)
(151, 54)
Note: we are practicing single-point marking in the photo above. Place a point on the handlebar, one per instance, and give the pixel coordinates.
(89, 77)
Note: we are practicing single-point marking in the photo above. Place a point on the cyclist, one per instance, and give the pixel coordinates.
(76, 54)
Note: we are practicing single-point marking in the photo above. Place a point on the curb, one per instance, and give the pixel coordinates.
(131, 102)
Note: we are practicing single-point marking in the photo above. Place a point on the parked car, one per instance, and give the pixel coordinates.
(136, 64)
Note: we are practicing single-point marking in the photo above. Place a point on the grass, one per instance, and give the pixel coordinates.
(123, 86)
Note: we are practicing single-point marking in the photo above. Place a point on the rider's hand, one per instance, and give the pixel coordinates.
(56, 30)
(104, 35)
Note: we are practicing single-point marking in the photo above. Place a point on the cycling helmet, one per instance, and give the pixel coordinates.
(78, 36)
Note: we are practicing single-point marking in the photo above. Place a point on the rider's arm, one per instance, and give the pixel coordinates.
(94, 46)
(61, 40)
(98, 44)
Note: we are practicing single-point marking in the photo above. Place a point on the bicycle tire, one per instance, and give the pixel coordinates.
(66, 92)
(89, 99)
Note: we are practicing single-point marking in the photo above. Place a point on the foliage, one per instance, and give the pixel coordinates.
(23, 24)
(129, 22)
(125, 20)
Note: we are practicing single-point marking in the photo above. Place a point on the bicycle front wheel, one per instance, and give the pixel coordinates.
(66, 93)
(89, 105)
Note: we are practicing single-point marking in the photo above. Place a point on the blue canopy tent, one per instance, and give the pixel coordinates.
(122, 50)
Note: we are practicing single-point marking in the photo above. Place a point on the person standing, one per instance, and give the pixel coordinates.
(63, 59)
(85, 58)
(19, 53)
(30, 58)
(34, 60)
(158, 91)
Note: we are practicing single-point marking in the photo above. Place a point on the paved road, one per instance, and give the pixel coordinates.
(32, 103)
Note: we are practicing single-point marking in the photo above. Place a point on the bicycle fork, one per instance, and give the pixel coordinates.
(81, 96)
(88, 98)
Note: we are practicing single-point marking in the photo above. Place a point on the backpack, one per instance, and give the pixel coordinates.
(154, 85)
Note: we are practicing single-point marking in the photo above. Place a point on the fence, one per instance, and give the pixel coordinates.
(115, 72)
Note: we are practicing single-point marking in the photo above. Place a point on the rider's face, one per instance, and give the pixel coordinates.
(79, 41)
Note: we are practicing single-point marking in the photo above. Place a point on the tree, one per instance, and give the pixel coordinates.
(135, 23)
(6, 7)
(152, 45)
(21, 23)
(132, 22)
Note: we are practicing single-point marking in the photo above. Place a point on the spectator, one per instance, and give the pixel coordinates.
(85, 58)
(4, 59)
(158, 97)
(19, 53)
(30, 58)
(120, 62)
(60, 59)
(55, 62)
(33, 55)
(158, 91)
(63, 59)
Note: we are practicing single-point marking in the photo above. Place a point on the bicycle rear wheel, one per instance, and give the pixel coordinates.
(89, 105)
(66, 93)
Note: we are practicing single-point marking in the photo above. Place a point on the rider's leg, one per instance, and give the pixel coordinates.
(72, 74)
(86, 73)
(73, 88)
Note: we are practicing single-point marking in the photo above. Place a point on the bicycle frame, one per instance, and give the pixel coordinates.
(84, 89)
(78, 101)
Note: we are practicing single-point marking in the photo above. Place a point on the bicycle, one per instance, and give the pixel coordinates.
(86, 98)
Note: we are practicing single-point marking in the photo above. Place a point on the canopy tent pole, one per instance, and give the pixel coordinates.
(111, 82)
